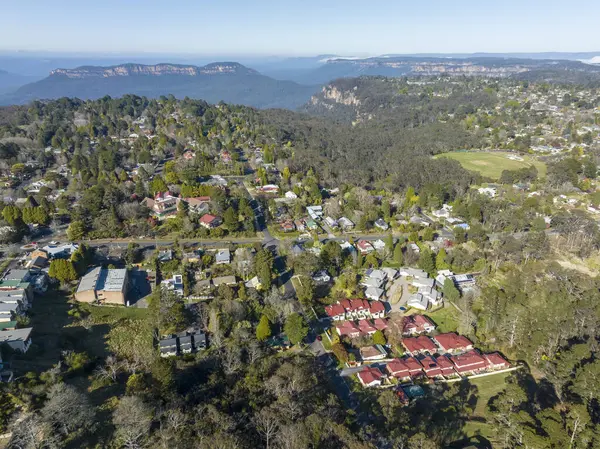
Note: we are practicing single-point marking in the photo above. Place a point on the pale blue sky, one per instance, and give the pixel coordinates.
(300, 27)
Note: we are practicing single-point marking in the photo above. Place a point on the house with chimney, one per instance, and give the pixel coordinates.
(416, 325)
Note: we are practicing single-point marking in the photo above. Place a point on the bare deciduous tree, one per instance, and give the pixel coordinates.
(132, 418)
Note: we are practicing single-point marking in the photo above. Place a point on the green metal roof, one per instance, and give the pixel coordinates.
(8, 325)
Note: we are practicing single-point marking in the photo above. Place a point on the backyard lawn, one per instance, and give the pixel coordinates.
(446, 318)
(491, 165)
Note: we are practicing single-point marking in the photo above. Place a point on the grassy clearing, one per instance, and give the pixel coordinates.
(491, 165)
(487, 387)
(445, 318)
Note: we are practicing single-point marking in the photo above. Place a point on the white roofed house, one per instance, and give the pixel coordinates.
(374, 293)
(106, 286)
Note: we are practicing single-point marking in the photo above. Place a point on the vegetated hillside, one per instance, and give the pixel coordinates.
(405, 101)
(228, 82)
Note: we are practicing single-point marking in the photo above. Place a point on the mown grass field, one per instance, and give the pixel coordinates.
(491, 165)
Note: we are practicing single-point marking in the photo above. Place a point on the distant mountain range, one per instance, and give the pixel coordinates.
(287, 83)
(223, 81)
(11, 81)
(334, 68)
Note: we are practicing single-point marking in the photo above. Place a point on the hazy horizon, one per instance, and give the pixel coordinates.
(281, 28)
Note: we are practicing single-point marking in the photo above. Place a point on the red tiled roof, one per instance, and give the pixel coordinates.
(366, 327)
(445, 364)
(377, 307)
(335, 310)
(453, 341)
(398, 368)
(207, 218)
(419, 344)
(495, 359)
(347, 328)
(430, 366)
(413, 365)
(380, 324)
(369, 375)
(469, 361)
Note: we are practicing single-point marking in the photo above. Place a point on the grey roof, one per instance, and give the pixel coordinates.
(8, 307)
(187, 340)
(223, 255)
(16, 275)
(103, 279)
(16, 335)
(167, 342)
(112, 280)
(89, 280)
(18, 294)
(227, 280)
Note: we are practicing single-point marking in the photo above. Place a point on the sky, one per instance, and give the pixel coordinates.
(300, 27)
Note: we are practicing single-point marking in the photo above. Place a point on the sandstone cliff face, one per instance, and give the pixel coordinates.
(335, 95)
(151, 70)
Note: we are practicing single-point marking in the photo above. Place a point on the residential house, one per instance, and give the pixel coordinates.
(223, 256)
(173, 284)
(366, 328)
(419, 345)
(60, 251)
(370, 377)
(269, 189)
(381, 224)
(188, 155)
(364, 247)
(380, 324)
(374, 293)
(496, 361)
(210, 221)
(490, 192)
(17, 339)
(200, 342)
(445, 365)
(452, 343)
(165, 255)
(291, 195)
(415, 369)
(321, 276)
(330, 222)
(471, 362)
(355, 309)
(398, 369)
(10, 311)
(163, 205)
(287, 226)
(198, 205)
(224, 280)
(168, 347)
(379, 245)
(253, 283)
(430, 367)
(418, 301)
(104, 286)
(185, 343)
(372, 353)
(347, 329)
(346, 224)
(300, 226)
(417, 324)
(314, 212)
